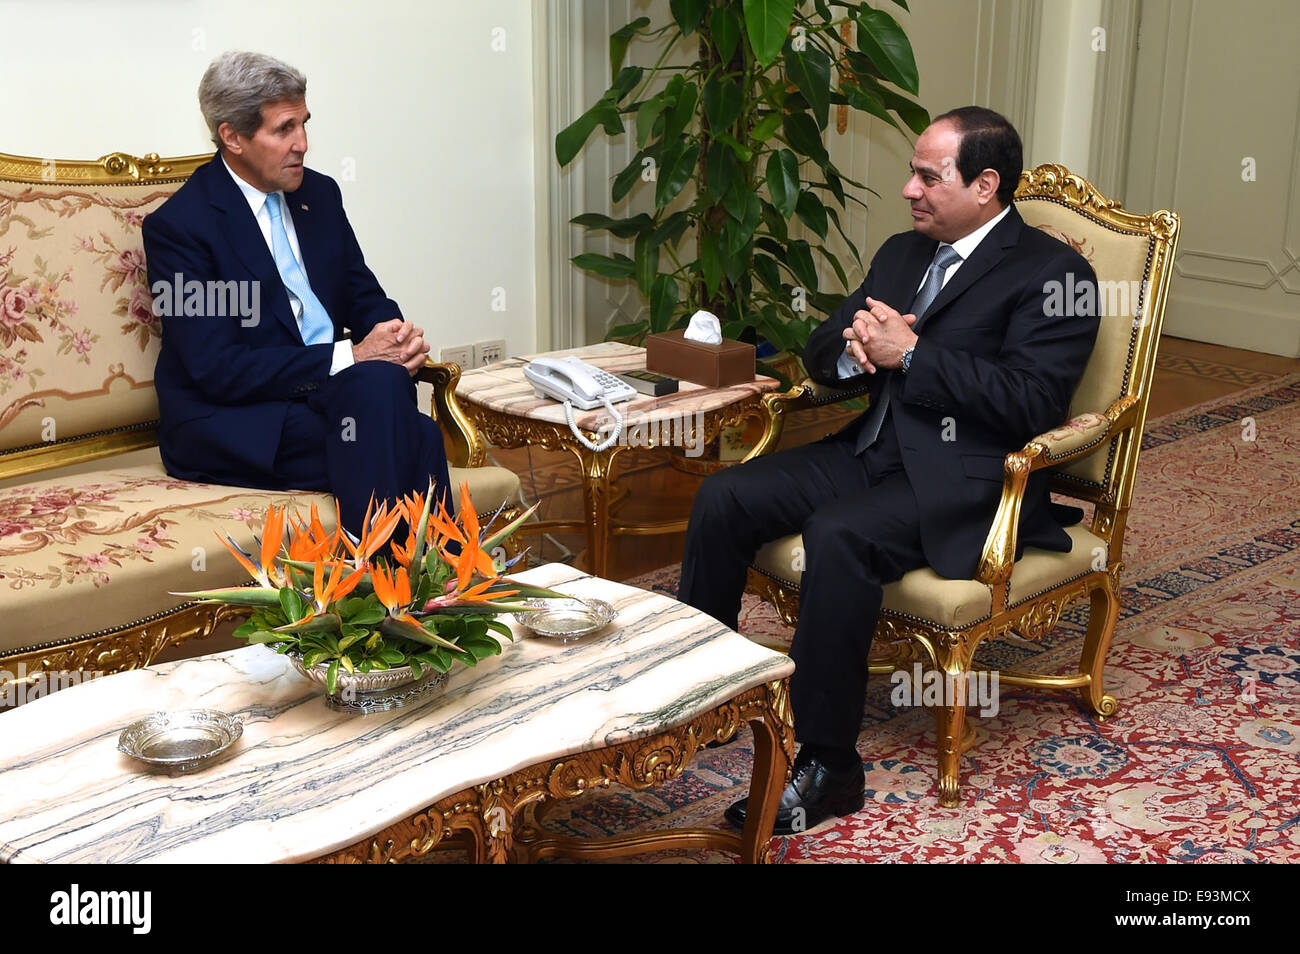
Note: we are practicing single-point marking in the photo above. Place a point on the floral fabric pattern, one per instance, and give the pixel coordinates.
(76, 314)
(112, 545)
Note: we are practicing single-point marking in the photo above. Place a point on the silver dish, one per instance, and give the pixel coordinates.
(566, 619)
(376, 691)
(180, 741)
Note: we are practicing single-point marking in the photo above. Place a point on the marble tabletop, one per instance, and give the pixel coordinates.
(304, 780)
(503, 387)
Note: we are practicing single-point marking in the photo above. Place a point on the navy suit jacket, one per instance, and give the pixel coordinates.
(225, 380)
(991, 370)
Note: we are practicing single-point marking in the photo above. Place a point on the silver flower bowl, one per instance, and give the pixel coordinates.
(376, 691)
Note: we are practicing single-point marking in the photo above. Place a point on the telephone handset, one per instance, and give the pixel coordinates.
(574, 381)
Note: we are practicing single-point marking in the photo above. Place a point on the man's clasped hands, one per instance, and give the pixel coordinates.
(395, 340)
(879, 336)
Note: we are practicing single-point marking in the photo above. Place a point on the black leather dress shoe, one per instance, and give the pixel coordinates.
(815, 793)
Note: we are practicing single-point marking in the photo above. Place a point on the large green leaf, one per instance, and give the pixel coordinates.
(619, 266)
(721, 169)
(623, 228)
(722, 102)
(765, 128)
(570, 140)
(671, 229)
(738, 234)
(735, 199)
(801, 263)
(783, 181)
(767, 23)
(915, 115)
(687, 14)
(724, 28)
(646, 258)
(663, 299)
(629, 176)
(768, 273)
(869, 102)
(805, 138)
(835, 264)
(776, 225)
(738, 148)
(682, 113)
(675, 174)
(812, 213)
(618, 41)
(292, 603)
(882, 39)
(835, 217)
(625, 81)
(647, 115)
(811, 71)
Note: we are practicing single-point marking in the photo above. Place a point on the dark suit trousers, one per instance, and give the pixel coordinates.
(861, 529)
(361, 433)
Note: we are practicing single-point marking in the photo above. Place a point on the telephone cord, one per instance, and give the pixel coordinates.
(607, 442)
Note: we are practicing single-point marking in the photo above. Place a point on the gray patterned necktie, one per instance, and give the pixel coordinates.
(946, 256)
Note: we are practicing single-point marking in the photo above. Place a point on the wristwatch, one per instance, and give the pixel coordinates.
(907, 359)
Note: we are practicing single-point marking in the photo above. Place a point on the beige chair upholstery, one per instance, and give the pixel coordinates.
(1093, 457)
(89, 553)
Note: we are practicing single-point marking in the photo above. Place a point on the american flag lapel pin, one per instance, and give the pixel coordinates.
(303, 206)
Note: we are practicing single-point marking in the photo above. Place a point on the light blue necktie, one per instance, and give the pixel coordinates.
(946, 256)
(316, 325)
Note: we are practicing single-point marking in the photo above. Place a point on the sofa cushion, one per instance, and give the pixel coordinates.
(102, 550)
(78, 337)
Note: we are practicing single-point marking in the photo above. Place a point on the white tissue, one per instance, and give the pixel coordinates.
(705, 328)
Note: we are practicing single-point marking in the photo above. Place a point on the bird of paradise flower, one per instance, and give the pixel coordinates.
(425, 601)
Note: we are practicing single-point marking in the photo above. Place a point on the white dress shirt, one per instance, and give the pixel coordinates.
(257, 203)
(965, 247)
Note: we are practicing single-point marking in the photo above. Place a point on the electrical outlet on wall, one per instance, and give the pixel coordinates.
(462, 355)
(486, 352)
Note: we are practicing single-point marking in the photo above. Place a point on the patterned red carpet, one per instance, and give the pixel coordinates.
(1200, 764)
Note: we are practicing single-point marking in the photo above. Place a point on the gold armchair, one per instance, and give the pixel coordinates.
(941, 622)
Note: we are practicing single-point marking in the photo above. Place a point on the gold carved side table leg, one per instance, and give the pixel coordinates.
(597, 492)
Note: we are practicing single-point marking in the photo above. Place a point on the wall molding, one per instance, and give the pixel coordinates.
(1112, 102)
(560, 62)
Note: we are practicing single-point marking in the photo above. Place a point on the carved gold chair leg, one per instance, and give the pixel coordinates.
(1103, 614)
(950, 735)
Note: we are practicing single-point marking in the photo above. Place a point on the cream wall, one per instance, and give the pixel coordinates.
(427, 127)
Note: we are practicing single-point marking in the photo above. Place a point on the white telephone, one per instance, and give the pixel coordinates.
(574, 381)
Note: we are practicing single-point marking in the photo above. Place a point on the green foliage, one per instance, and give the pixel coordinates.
(351, 644)
(745, 100)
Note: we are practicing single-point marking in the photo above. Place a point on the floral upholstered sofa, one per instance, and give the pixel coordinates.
(93, 532)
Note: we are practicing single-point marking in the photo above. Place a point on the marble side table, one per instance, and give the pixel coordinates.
(543, 721)
(500, 402)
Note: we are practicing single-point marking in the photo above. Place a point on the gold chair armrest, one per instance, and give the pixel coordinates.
(465, 446)
(806, 394)
(1077, 438)
(820, 395)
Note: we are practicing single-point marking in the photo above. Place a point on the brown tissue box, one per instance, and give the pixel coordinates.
(712, 365)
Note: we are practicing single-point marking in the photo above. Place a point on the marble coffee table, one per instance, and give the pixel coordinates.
(542, 722)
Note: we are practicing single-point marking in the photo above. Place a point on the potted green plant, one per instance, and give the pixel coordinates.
(744, 94)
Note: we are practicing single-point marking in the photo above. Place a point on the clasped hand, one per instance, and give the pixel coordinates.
(879, 335)
(397, 341)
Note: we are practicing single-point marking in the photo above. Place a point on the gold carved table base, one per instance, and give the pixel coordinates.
(499, 818)
(598, 467)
